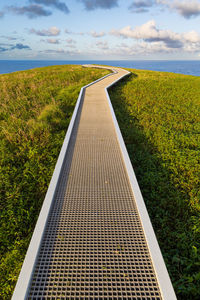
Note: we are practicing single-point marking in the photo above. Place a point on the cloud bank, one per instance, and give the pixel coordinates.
(14, 47)
(10, 38)
(185, 8)
(31, 11)
(20, 47)
(102, 45)
(60, 51)
(160, 40)
(53, 3)
(95, 4)
(141, 6)
(97, 34)
(38, 8)
(52, 41)
(52, 31)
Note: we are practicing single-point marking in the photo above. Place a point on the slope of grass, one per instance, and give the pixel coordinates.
(36, 107)
(159, 116)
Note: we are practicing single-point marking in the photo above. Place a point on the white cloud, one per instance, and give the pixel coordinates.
(151, 33)
(31, 11)
(97, 34)
(52, 31)
(53, 41)
(141, 48)
(192, 37)
(151, 37)
(74, 33)
(78, 33)
(141, 6)
(187, 8)
(70, 41)
(94, 4)
(67, 31)
(102, 45)
(55, 3)
(60, 51)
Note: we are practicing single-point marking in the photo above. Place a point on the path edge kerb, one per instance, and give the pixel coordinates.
(23, 283)
(164, 281)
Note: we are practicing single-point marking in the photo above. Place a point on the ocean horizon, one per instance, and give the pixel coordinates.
(187, 67)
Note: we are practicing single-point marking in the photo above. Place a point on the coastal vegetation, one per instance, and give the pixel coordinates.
(159, 116)
(36, 108)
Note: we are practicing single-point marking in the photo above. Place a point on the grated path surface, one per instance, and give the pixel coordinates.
(94, 245)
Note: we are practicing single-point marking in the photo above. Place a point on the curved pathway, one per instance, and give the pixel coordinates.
(95, 245)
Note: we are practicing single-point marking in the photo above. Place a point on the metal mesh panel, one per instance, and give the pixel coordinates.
(94, 245)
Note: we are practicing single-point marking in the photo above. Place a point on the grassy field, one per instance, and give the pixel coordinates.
(159, 116)
(36, 107)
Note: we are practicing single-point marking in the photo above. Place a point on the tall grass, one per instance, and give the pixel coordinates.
(159, 116)
(36, 108)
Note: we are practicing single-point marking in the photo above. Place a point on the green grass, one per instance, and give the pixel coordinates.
(159, 116)
(36, 108)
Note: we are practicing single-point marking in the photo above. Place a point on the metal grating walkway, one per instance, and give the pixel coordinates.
(94, 245)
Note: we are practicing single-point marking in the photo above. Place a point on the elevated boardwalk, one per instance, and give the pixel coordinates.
(94, 239)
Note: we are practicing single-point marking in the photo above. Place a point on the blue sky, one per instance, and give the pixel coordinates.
(100, 29)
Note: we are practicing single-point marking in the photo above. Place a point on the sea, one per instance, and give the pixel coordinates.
(187, 67)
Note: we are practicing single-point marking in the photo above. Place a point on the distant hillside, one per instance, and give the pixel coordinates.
(36, 108)
(159, 116)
